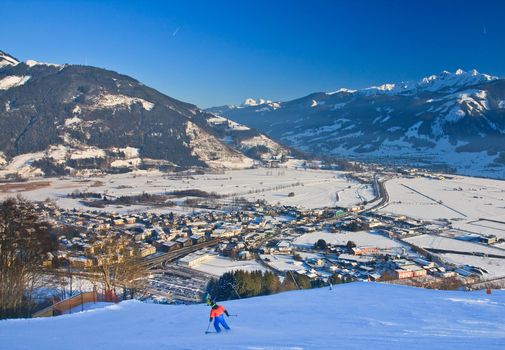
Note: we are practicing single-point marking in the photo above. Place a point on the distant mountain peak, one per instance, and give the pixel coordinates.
(7, 60)
(253, 102)
(458, 79)
(444, 80)
(32, 63)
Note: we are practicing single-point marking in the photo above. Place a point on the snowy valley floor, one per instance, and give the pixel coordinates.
(353, 316)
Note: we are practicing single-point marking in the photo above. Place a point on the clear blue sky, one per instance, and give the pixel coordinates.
(219, 52)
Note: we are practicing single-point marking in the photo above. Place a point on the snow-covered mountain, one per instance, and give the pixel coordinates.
(59, 119)
(7, 60)
(352, 316)
(449, 120)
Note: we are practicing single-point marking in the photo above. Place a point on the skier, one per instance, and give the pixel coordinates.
(208, 300)
(216, 314)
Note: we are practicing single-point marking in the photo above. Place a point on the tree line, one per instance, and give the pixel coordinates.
(24, 242)
(244, 284)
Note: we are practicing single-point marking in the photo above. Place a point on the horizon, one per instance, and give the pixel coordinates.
(265, 98)
(223, 53)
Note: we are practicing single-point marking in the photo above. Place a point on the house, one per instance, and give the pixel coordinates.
(146, 250)
(244, 255)
(284, 247)
(118, 222)
(184, 242)
(374, 277)
(195, 258)
(131, 220)
(80, 262)
(491, 239)
(169, 246)
(197, 239)
(103, 226)
(228, 231)
(365, 250)
(419, 273)
(402, 274)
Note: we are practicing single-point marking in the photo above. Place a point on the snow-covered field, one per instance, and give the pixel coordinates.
(463, 199)
(219, 265)
(312, 188)
(445, 243)
(472, 205)
(283, 262)
(361, 238)
(493, 266)
(352, 316)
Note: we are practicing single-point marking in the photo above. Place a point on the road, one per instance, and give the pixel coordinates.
(170, 256)
(382, 193)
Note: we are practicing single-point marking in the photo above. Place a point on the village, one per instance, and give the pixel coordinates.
(185, 250)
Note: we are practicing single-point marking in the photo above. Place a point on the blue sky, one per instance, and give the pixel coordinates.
(218, 52)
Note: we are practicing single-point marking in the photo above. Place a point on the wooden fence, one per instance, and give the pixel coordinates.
(63, 306)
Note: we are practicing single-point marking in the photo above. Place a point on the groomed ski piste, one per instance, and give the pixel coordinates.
(351, 316)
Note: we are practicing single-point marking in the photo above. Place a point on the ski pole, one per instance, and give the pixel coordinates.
(208, 327)
(233, 315)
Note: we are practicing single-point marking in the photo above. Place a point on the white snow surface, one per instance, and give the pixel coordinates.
(495, 267)
(316, 188)
(471, 196)
(215, 154)
(90, 152)
(32, 63)
(445, 80)
(107, 100)
(13, 81)
(253, 102)
(464, 163)
(22, 165)
(444, 243)
(361, 238)
(218, 265)
(6, 60)
(351, 316)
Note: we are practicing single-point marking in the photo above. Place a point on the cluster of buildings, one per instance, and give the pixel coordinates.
(89, 238)
(358, 262)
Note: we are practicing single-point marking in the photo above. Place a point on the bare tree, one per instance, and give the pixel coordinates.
(24, 242)
(119, 269)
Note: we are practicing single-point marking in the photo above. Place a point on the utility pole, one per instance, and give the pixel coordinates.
(70, 278)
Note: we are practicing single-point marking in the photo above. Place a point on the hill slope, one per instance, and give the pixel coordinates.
(353, 316)
(454, 120)
(58, 119)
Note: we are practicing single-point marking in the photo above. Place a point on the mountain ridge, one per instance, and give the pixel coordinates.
(62, 119)
(451, 121)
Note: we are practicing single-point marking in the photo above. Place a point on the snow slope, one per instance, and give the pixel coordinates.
(352, 316)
